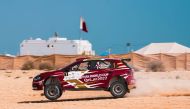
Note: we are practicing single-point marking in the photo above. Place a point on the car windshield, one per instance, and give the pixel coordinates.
(67, 66)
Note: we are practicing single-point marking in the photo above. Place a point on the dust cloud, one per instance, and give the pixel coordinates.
(161, 84)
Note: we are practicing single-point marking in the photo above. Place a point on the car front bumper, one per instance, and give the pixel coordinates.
(37, 85)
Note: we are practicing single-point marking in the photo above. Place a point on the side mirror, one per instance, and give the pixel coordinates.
(66, 70)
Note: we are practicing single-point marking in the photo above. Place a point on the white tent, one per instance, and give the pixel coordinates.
(167, 48)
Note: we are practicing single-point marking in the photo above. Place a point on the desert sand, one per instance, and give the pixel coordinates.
(155, 90)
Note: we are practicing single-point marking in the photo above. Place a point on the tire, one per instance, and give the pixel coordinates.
(52, 91)
(118, 89)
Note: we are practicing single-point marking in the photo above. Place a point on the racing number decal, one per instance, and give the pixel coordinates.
(73, 78)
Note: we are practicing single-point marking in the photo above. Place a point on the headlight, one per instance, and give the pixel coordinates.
(37, 78)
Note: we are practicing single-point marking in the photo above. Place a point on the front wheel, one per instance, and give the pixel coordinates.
(118, 89)
(52, 91)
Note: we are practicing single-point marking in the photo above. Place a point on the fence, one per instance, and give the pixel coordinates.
(170, 61)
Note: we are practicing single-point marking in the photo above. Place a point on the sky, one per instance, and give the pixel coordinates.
(111, 23)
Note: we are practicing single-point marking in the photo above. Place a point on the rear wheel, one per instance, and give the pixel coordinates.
(118, 89)
(52, 91)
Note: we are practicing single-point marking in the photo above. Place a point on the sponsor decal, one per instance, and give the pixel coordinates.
(88, 77)
(95, 77)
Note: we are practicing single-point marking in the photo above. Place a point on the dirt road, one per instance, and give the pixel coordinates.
(162, 90)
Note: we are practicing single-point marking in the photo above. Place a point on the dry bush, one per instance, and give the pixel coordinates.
(24, 72)
(28, 65)
(46, 66)
(42, 94)
(155, 66)
(30, 77)
(17, 77)
(177, 77)
(7, 75)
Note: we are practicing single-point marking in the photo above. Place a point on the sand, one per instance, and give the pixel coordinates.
(155, 90)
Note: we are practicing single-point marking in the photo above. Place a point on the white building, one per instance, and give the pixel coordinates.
(167, 48)
(55, 45)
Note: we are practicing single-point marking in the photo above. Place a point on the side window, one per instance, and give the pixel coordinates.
(83, 66)
(103, 65)
(75, 67)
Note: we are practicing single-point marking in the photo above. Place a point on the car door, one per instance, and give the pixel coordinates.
(74, 76)
(98, 74)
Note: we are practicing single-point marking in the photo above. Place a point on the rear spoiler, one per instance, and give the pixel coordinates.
(126, 59)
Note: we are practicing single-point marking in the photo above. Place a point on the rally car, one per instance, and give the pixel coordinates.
(113, 75)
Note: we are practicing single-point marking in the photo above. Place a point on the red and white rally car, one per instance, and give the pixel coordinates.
(112, 75)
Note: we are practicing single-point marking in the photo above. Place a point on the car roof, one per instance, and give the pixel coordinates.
(98, 59)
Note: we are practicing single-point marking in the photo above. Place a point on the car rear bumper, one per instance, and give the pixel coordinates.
(131, 83)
